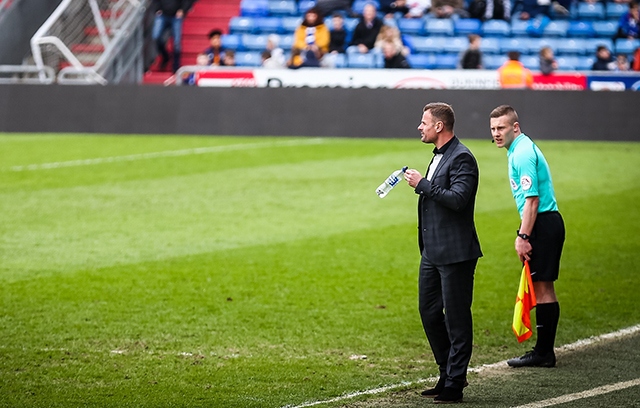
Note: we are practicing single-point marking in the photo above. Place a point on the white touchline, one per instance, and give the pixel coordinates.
(168, 153)
(573, 346)
(581, 395)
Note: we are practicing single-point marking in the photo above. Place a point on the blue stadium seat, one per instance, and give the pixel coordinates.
(490, 46)
(626, 46)
(582, 29)
(446, 61)
(536, 44)
(605, 29)
(556, 28)
(411, 26)
(281, 8)
(591, 44)
(519, 28)
(254, 42)
(428, 44)
(439, 26)
(358, 5)
(231, 42)
(530, 61)
(493, 61)
(590, 11)
(304, 5)
(340, 60)
(466, 26)
(267, 25)
(286, 42)
(240, 25)
(496, 28)
(615, 10)
(514, 44)
(567, 63)
(584, 63)
(357, 60)
(573, 46)
(350, 24)
(254, 8)
(289, 24)
(248, 59)
(456, 44)
(421, 61)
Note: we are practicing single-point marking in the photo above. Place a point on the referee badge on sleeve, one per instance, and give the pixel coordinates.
(525, 182)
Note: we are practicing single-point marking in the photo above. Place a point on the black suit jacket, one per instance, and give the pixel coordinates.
(447, 232)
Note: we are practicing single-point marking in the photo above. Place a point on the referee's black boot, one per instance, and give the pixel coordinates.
(534, 359)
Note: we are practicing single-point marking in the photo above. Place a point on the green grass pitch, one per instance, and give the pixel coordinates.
(246, 272)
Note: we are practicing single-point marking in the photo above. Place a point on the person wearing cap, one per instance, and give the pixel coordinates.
(541, 235)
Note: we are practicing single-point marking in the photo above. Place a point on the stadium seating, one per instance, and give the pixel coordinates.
(496, 28)
(493, 61)
(590, 11)
(439, 26)
(490, 46)
(455, 44)
(615, 10)
(572, 46)
(248, 59)
(626, 46)
(530, 61)
(428, 44)
(557, 28)
(446, 61)
(232, 41)
(357, 60)
(605, 29)
(240, 25)
(289, 24)
(283, 8)
(254, 8)
(254, 42)
(466, 26)
(580, 29)
(411, 26)
(262, 25)
(515, 44)
(422, 61)
(520, 28)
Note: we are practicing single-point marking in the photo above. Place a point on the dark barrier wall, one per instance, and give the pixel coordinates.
(19, 24)
(374, 113)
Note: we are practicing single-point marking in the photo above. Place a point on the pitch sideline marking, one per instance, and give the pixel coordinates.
(568, 347)
(584, 394)
(168, 153)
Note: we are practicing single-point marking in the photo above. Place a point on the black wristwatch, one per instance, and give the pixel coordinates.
(524, 236)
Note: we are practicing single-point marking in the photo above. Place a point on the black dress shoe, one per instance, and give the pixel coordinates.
(534, 359)
(435, 391)
(449, 396)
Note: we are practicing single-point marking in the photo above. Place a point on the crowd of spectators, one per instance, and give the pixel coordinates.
(317, 45)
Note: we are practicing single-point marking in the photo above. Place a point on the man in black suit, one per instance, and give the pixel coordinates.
(450, 249)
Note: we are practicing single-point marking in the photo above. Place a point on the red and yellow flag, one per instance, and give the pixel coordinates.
(525, 301)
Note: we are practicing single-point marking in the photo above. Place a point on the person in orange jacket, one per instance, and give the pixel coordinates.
(514, 75)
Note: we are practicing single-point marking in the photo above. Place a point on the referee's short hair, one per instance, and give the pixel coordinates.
(442, 112)
(505, 110)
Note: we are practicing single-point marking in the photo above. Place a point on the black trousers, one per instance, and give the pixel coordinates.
(445, 297)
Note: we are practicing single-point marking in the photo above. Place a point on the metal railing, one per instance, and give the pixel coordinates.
(92, 41)
(26, 74)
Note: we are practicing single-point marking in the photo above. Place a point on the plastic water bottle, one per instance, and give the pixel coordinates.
(390, 182)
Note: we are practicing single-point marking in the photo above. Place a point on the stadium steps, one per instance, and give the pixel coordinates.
(203, 17)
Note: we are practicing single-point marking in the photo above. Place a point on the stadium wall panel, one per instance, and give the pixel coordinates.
(376, 113)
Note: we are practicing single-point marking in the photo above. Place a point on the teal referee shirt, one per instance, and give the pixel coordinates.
(529, 175)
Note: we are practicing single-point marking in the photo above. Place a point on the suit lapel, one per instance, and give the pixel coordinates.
(447, 155)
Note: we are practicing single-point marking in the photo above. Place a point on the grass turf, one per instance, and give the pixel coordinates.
(250, 275)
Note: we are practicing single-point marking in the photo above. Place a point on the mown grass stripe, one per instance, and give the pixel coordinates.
(169, 153)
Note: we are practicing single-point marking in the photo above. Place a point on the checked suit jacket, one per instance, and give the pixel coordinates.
(447, 232)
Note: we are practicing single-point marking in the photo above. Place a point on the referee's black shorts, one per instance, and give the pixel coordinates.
(547, 239)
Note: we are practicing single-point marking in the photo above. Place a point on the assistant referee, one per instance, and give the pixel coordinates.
(541, 234)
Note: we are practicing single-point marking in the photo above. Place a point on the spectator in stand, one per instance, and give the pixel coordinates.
(417, 8)
(635, 63)
(604, 60)
(229, 58)
(312, 37)
(514, 75)
(390, 7)
(169, 16)
(548, 62)
(629, 24)
(530, 9)
(327, 7)
(390, 34)
(367, 30)
(191, 79)
(276, 54)
(448, 9)
(298, 61)
(215, 52)
(622, 63)
(338, 35)
(490, 9)
(393, 57)
(472, 57)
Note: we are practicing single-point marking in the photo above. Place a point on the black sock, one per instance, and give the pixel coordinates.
(547, 316)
